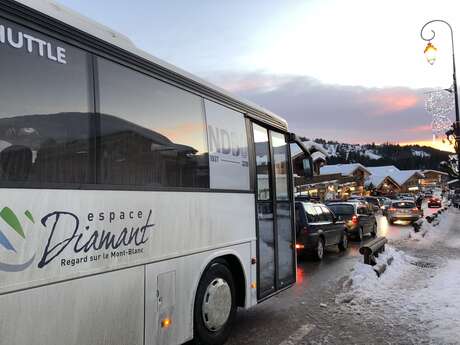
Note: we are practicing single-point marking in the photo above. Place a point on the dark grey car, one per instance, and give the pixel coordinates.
(358, 216)
(317, 228)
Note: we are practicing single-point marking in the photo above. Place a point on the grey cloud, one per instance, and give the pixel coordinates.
(344, 113)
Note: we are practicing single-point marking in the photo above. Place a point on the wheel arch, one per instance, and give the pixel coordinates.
(235, 264)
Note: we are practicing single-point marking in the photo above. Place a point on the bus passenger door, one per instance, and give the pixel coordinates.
(275, 236)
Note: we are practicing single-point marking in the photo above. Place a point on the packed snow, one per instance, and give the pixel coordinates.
(419, 290)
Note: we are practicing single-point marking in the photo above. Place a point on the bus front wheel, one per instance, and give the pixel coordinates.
(215, 307)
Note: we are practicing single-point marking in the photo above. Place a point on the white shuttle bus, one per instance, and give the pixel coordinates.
(139, 204)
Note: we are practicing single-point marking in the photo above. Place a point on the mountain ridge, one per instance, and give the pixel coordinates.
(407, 157)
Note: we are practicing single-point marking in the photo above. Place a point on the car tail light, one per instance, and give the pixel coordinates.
(299, 246)
(392, 209)
(354, 219)
(415, 209)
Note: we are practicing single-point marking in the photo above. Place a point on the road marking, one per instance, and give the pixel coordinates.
(298, 335)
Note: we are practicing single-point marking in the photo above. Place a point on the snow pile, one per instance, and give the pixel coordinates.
(364, 282)
(442, 300)
(436, 231)
(419, 293)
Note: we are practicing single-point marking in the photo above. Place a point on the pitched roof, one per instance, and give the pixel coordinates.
(400, 176)
(378, 180)
(344, 169)
(435, 171)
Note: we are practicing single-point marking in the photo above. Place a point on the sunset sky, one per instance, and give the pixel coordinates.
(352, 71)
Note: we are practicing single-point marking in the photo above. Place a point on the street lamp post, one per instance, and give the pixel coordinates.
(430, 52)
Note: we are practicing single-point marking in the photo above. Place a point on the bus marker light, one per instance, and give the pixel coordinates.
(165, 323)
(253, 285)
(253, 261)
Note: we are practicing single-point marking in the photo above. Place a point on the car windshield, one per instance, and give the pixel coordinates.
(403, 204)
(342, 209)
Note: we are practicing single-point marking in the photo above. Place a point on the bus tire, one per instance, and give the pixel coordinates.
(215, 305)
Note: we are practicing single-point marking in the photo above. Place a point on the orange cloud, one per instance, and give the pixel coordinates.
(418, 129)
(392, 101)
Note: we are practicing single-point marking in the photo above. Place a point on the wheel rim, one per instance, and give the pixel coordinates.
(320, 249)
(217, 304)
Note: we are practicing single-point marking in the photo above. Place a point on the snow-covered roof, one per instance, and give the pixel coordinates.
(378, 180)
(434, 171)
(312, 146)
(317, 155)
(343, 169)
(93, 28)
(316, 150)
(400, 176)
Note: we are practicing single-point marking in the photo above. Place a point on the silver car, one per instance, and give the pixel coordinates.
(403, 210)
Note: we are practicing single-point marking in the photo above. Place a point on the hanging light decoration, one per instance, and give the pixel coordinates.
(430, 53)
(440, 125)
(439, 102)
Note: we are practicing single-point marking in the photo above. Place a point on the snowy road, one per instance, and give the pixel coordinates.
(341, 301)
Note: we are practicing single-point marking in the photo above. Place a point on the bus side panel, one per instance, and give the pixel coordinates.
(59, 235)
(187, 272)
(105, 309)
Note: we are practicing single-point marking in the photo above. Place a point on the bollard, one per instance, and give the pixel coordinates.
(379, 269)
(417, 225)
(371, 250)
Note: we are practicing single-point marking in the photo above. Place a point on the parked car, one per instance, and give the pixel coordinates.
(385, 204)
(434, 202)
(406, 196)
(403, 210)
(374, 201)
(359, 218)
(317, 228)
(428, 193)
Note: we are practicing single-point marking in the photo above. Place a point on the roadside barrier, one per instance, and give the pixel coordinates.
(371, 251)
(417, 225)
(433, 219)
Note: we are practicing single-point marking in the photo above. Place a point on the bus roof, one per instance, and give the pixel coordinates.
(91, 27)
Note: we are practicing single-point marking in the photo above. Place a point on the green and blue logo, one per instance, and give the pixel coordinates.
(15, 228)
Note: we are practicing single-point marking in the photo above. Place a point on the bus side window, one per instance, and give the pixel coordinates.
(16, 163)
(152, 133)
(45, 106)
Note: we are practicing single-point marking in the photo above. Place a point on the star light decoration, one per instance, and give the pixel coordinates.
(439, 103)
